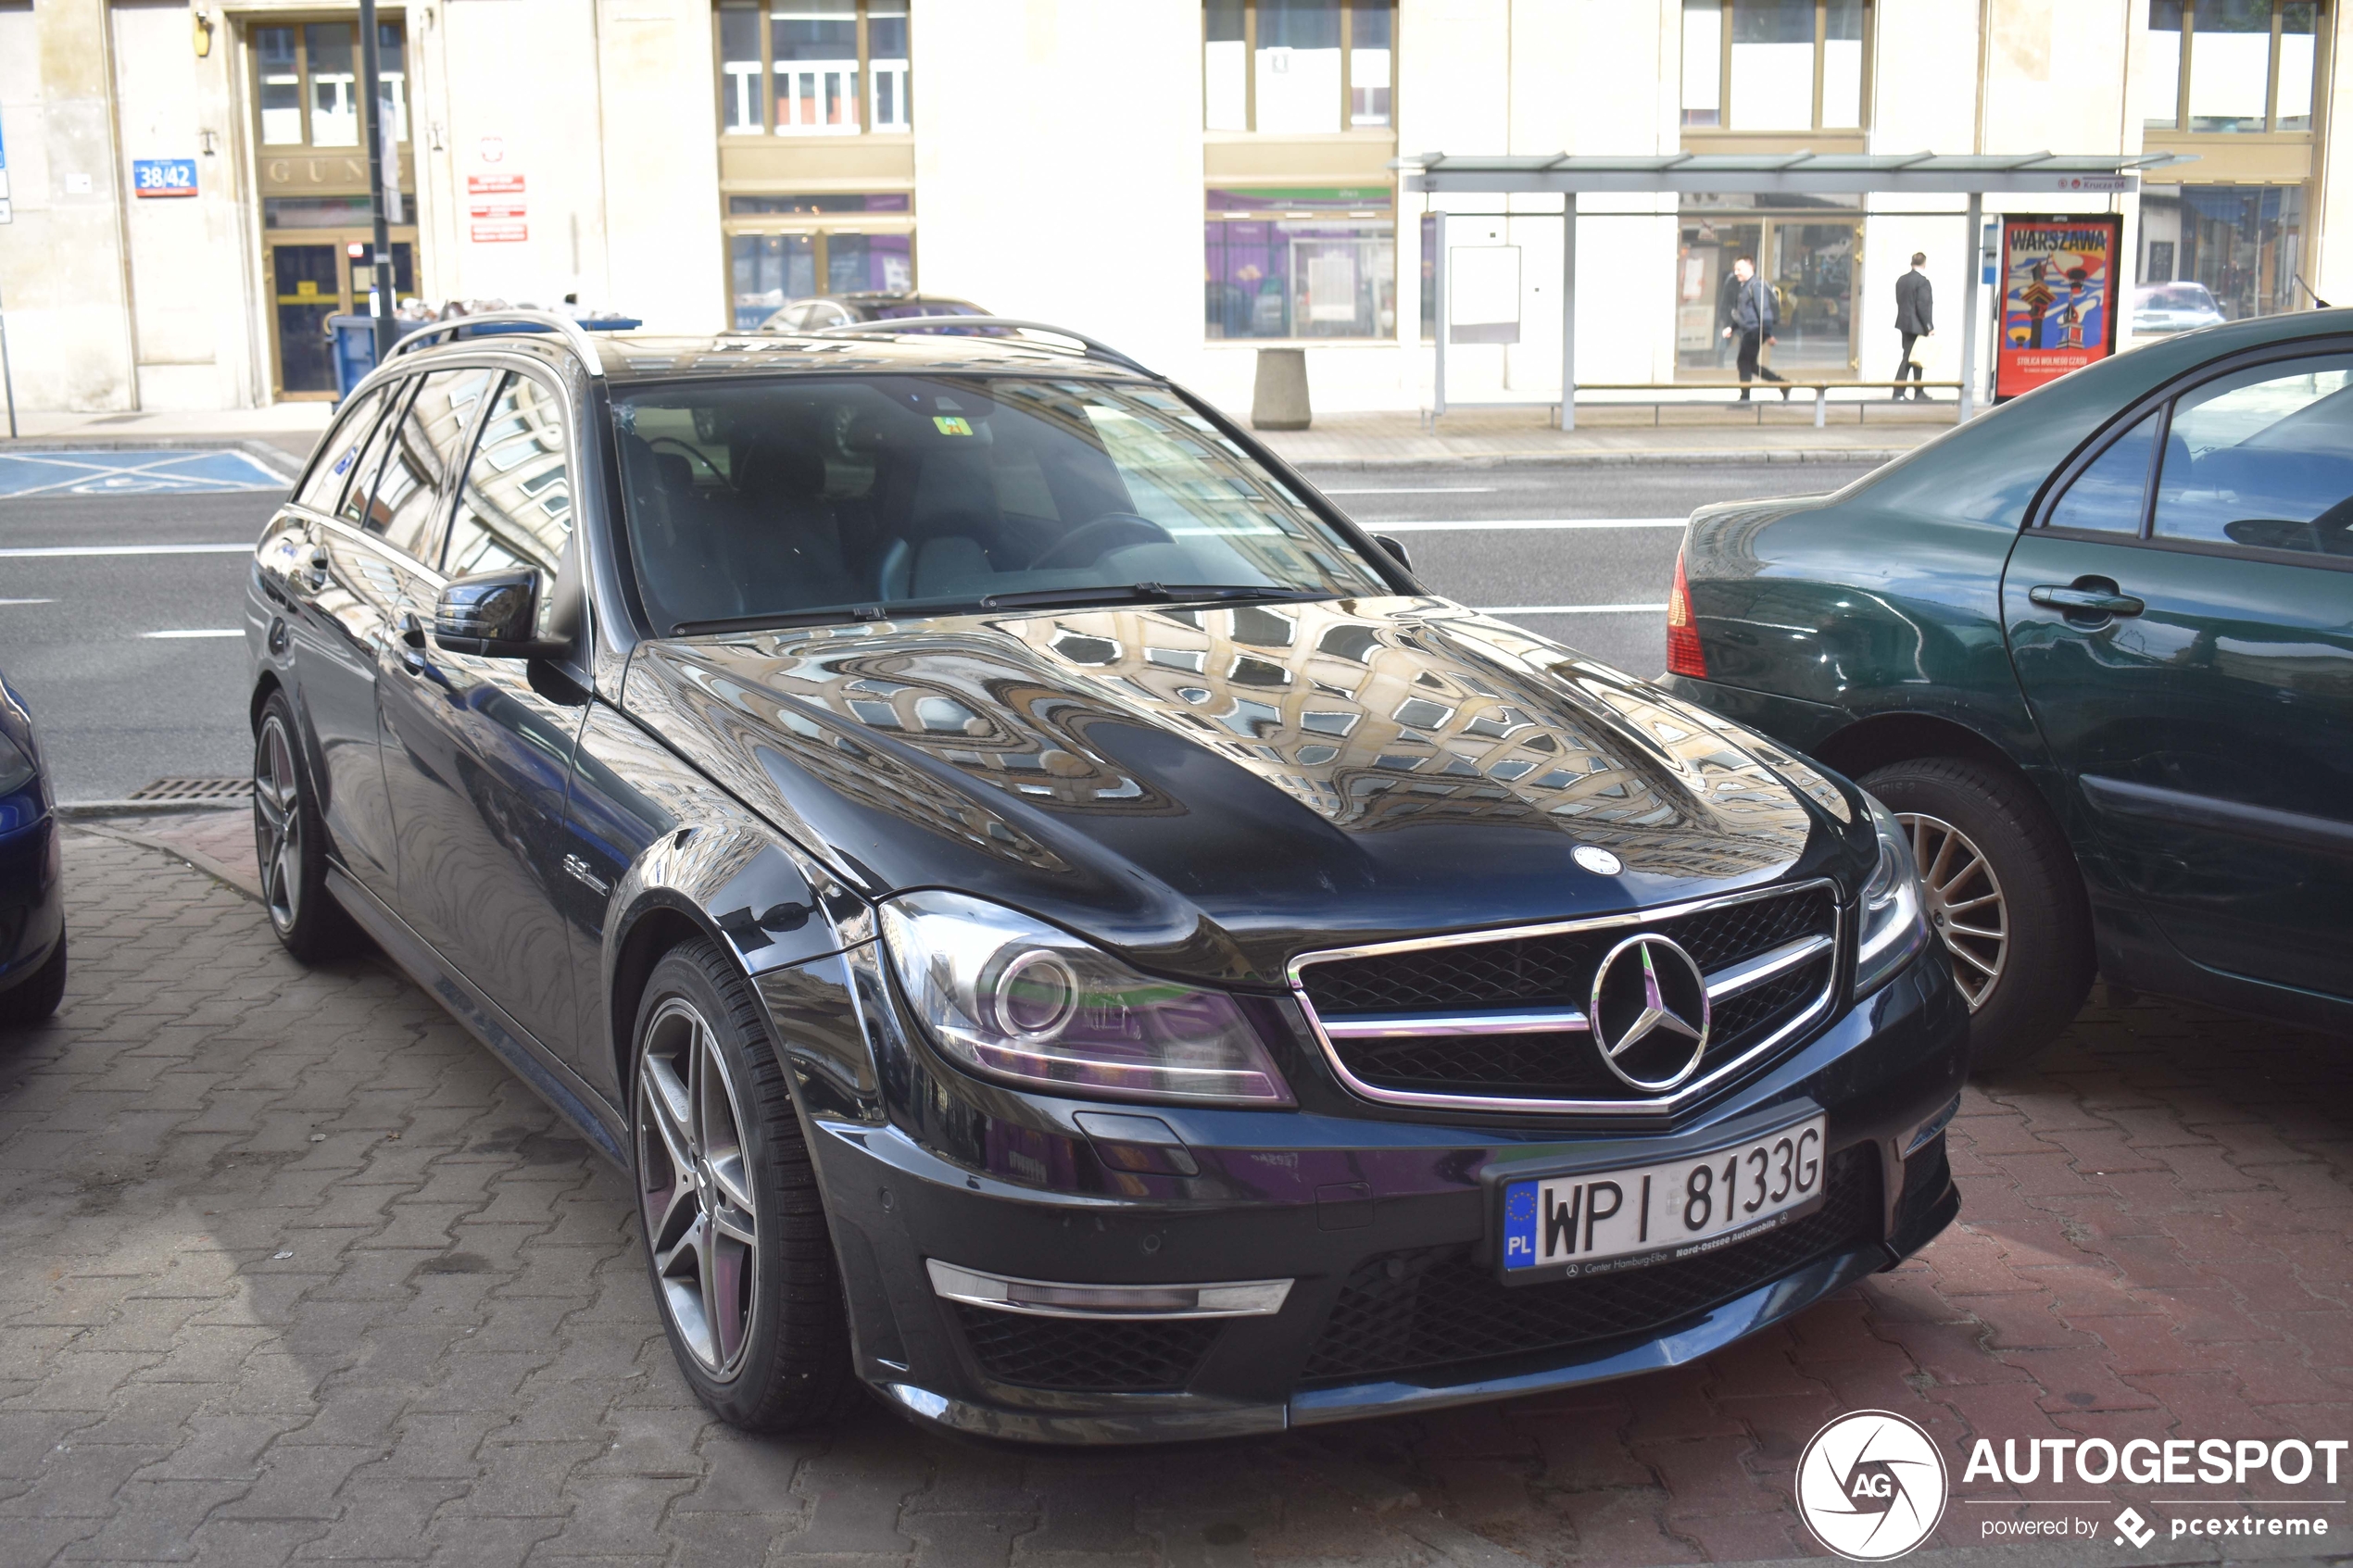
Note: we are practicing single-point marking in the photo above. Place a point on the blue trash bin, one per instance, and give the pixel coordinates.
(354, 351)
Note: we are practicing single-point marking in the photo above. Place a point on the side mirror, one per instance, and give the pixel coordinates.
(492, 614)
(1396, 551)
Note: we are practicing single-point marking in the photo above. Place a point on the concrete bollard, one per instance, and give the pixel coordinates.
(1280, 401)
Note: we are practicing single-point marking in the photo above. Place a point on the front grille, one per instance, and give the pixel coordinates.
(1087, 1355)
(1557, 971)
(1437, 1306)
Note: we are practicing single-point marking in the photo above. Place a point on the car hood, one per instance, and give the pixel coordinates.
(1212, 791)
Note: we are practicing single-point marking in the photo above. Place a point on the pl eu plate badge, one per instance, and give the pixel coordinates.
(1519, 1226)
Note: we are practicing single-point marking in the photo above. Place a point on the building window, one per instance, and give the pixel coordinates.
(306, 80)
(1301, 262)
(1774, 65)
(2222, 66)
(1299, 68)
(813, 68)
(781, 248)
(2244, 242)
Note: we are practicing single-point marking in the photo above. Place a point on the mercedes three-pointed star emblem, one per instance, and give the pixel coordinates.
(1650, 1013)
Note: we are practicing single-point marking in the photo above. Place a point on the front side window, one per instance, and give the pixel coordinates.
(813, 68)
(2263, 459)
(1301, 262)
(2230, 66)
(840, 500)
(1774, 65)
(1298, 67)
(514, 506)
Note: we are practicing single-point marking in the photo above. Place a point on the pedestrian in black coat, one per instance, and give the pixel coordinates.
(1916, 319)
(1746, 309)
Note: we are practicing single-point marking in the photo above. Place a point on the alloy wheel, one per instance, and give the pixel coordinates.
(1964, 904)
(702, 1223)
(277, 823)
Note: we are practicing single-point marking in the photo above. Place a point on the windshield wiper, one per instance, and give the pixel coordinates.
(1156, 593)
(835, 616)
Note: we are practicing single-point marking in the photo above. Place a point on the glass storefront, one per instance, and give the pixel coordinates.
(2244, 242)
(830, 243)
(1811, 260)
(1317, 262)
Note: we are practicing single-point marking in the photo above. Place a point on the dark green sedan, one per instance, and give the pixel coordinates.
(2096, 650)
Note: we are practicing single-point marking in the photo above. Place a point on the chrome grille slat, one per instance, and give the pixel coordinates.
(1758, 986)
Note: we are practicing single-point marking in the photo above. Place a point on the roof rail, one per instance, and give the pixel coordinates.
(1095, 348)
(575, 336)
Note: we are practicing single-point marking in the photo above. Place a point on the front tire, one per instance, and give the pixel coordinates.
(37, 995)
(290, 843)
(735, 1228)
(2002, 896)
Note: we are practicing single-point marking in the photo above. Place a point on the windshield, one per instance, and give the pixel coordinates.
(805, 499)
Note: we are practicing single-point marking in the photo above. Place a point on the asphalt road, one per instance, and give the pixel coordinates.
(89, 638)
(1565, 583)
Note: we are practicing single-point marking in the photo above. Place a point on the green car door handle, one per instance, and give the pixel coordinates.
(2084, 601)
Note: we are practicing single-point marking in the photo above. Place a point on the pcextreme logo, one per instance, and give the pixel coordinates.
(1871, 1486)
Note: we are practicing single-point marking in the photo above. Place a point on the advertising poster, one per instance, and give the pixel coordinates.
(2058, 299)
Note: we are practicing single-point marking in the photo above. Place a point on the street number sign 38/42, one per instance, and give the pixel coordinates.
(164, 176)
(1599, 1221)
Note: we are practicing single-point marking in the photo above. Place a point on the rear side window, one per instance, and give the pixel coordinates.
(359, 503)
(2263, 459)
(323, 488)
(2111, 497)
(416, 474)
(514, 509)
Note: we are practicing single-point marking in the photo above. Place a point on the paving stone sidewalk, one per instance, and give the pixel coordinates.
(295, 1271)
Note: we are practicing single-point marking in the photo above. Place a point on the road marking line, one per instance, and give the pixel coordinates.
(1572, 610)
(1456, 525)
(1420, 490)
(199, 632)
(28, 601)
(53, 552)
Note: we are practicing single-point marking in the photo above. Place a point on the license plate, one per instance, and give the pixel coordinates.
(1599, 1221)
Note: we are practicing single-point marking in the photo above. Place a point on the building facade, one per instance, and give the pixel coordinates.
(187, 191)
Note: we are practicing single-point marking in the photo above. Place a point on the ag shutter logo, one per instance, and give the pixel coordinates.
(1871, 1486)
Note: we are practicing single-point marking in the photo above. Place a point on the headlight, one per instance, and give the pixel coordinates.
(16, 767)
(1892, 926)
(1013, 999)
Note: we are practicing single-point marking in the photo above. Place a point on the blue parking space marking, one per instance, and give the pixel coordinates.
(132, 473)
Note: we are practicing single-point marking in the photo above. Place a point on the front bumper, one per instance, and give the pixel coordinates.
(1381, 1224)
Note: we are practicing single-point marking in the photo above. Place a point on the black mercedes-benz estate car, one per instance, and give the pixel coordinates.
(1058, 924)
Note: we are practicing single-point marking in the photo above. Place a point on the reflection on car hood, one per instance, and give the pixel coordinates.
(1214, 790)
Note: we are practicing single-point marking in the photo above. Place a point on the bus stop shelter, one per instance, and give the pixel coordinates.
(1809, 174)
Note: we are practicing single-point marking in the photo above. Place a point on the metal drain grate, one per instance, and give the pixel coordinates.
(194, 792)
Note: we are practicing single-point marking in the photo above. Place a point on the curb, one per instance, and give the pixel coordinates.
(1704, 457)
(277, 459)
(192, 857)
(86, 811)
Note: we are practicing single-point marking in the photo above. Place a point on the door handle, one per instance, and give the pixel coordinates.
(412, 631)
(2081, 600)
(321, 562)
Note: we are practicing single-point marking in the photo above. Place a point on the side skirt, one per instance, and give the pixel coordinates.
(570, 1094)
